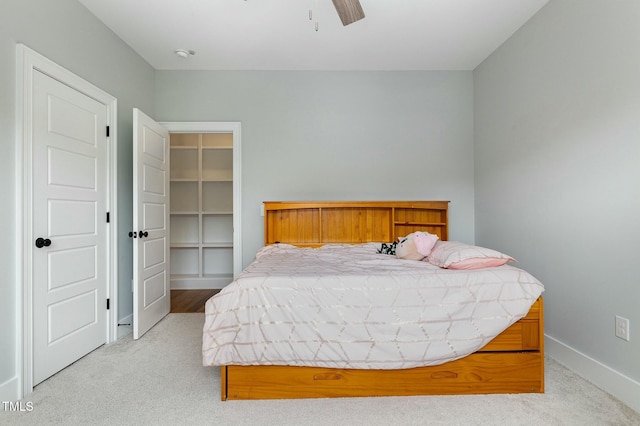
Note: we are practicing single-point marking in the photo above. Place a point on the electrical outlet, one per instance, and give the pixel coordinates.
(622, 328)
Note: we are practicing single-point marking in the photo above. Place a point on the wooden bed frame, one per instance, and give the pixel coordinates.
(511, 363)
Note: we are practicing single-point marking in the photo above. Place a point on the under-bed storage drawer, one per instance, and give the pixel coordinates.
(524, 335)
(511, 372)
(521, 336)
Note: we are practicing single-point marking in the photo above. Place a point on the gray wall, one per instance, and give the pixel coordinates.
(65, 32)
(337, 136)
(557, 129)
(551, 118)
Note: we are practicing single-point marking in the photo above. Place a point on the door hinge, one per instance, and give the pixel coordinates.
(107, 131)
(108, 217)
(108, 303)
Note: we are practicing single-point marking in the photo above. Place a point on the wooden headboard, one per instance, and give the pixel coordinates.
(314, 223)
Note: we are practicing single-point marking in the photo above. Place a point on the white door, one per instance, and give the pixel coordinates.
(69, 251)
(151, 292)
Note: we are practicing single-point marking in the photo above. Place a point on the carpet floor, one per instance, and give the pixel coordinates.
(160, 380)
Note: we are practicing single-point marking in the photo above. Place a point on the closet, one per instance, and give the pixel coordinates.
(202, 210)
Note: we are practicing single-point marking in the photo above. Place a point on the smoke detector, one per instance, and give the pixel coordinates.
(184, 53)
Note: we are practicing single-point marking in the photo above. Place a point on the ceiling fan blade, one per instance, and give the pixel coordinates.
(349, 11)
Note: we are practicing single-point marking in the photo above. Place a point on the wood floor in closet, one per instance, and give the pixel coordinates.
(184, 301)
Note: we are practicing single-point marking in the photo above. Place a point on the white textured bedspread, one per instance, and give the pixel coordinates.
(345, 306)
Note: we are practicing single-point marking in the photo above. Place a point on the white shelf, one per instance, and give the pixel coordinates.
(217, 140)
(201, 210)
(184, 196)
(218, 177)
(184, 140)
(228, 244)
(184, 164)
(217, 196)
(217, 229)
(219, 276)
(177, 148)
(217, 260)
(206, 282)
(184, 245)
(217, 164)
(184, 230)
(184, 276)
(196, 180)
(185, 261)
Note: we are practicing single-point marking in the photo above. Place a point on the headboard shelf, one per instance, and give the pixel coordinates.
(314, 223)
(421, 223)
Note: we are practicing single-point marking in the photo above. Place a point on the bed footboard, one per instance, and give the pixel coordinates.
(512, 363)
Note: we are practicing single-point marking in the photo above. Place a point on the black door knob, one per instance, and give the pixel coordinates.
(133, 234)
(143, 234)
(43, 242)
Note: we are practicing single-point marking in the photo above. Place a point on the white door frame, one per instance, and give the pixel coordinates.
(222, 127)
(28, 62)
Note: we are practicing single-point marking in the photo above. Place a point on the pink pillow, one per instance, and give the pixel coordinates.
(478, 263)
(456, 255)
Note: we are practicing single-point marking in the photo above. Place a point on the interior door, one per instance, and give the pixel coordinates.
(69, 227)
(150, 234)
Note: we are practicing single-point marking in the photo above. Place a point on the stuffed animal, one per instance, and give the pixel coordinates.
(388, 248)
(415, 246)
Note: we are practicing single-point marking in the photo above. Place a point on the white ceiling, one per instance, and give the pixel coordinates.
(278, 35)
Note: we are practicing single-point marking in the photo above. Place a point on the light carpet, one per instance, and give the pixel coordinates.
(160, 380)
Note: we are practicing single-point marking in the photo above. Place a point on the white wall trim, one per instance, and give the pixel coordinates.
(125, 326)
(223, 127)
(620, 386)
(28, 61)
(22, 335)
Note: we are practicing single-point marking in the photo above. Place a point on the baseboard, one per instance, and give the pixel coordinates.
(10, 390)
(124, 326)
(620, 386)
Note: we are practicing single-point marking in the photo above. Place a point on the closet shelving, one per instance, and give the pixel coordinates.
(201, 210)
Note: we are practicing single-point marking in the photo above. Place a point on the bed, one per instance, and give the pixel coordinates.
(258, 359)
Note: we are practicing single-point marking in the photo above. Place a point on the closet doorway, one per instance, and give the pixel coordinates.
(205, 240)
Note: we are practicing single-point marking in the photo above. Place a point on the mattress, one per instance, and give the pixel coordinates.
(347, 306)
